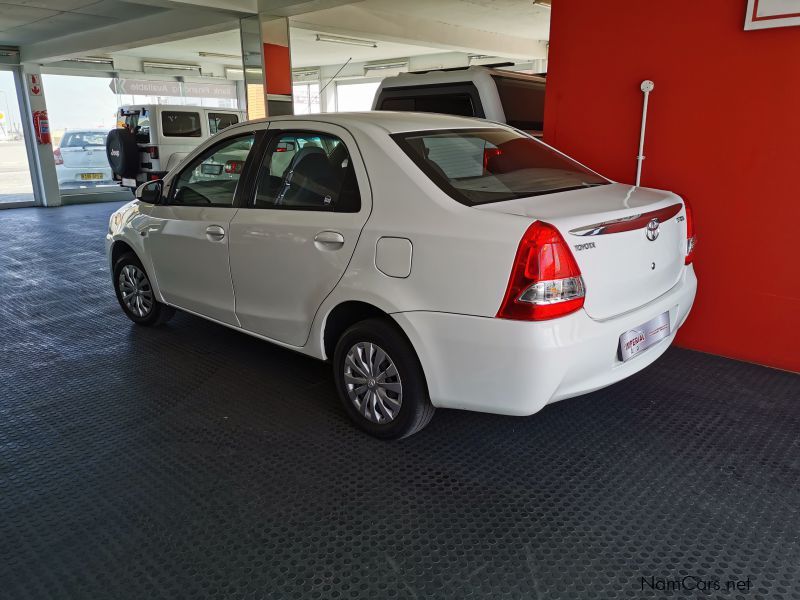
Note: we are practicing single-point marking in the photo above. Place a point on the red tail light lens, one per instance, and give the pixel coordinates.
(234, 167)
(488, 154)
(57, 156)
(691, 238)
(545, 281)
(153, 151)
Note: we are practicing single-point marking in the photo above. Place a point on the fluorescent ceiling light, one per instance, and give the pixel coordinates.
(92, 60)
(8, 51)
(218, 55)
(177, 67)
(336, 39)
(388, 65)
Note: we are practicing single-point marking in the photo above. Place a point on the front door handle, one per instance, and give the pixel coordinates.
(329, 240)
(215, 233)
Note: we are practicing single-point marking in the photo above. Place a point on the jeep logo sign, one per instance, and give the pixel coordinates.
(115, 153)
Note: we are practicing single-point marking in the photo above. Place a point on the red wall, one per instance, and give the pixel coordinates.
(723, 131)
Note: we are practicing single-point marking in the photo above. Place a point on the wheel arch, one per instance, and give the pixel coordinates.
(119, 248)
(343, 316)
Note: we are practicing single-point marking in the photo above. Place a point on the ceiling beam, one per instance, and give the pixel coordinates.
(359, 21)
(291, 8)
(237, 6)
(161, 27)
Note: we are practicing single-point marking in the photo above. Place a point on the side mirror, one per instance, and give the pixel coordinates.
(150, 192)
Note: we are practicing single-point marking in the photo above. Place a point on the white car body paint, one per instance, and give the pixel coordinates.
(462, 258)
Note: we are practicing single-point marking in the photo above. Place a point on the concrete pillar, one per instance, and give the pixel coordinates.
(267, 63)
(277, 65)
(43, 166)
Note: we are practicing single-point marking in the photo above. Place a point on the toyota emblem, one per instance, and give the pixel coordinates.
(652, 230)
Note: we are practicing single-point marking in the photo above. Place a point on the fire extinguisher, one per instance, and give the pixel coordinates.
(41, 125)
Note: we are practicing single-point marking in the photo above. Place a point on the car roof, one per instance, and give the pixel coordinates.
(390, 121)
(456, 75)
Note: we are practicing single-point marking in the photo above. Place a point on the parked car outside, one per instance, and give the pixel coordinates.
(494, 94)
(436, 261)
(151, 139)
(81, 159)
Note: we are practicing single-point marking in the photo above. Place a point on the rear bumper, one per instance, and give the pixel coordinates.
(516, 368)
(71, 176)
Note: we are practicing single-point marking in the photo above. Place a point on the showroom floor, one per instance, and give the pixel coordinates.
(193, 462)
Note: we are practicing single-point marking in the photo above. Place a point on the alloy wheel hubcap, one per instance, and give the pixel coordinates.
(373, 382)
(134, 287)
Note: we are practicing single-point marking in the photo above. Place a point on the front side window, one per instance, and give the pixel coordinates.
(307, 171)
(478, 166)
(211, 179)
(219, 121)
(180, 123)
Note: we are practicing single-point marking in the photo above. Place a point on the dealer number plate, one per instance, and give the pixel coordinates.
(637, 340)
(128, 182)
(88, 176)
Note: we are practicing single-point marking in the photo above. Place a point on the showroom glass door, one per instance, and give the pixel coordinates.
(16, 188)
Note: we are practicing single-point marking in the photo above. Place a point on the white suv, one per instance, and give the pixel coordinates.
(436, 261)
(494, 94)
(151, 139)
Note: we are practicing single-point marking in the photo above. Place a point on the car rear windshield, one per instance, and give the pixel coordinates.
(81, 139)
(178, 123)
(449, 104)
(523, 102)
(478, 166)
(137, 122)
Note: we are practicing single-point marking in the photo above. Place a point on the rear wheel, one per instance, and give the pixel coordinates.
(135, 293)
(380, 380)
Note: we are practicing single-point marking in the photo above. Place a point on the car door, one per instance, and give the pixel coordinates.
(292, 241)
(187, 236)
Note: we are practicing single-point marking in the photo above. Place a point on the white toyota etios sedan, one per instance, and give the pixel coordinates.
(437, 261)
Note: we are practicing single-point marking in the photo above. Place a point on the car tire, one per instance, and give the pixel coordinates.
(135, 293)
(380, 380)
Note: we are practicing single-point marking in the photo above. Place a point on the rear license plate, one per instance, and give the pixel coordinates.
(128, 182)
(91, 176)
(637, 340)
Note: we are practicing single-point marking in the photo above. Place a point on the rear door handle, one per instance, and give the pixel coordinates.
(329, 240)
(215, 233)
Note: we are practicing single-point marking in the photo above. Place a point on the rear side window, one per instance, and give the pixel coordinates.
(308, 171)
(219, 121)
(523, 102)
(175, 123)
(478, 166)
(448, 104)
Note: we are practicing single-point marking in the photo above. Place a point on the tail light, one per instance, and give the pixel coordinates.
(488, 154)
(545, 280)
(234, 167)
(57, 156)
(691, 238)
(153, 151)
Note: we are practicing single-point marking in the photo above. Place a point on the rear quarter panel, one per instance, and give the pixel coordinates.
(461, 257)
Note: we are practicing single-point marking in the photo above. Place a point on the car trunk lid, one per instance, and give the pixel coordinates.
(623, 265)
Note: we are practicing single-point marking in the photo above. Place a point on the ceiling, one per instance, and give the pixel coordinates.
(27, 21)
(306, 50)
(399, 28)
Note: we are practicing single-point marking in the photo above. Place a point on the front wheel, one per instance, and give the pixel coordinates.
(135, 293)
(380, 380)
